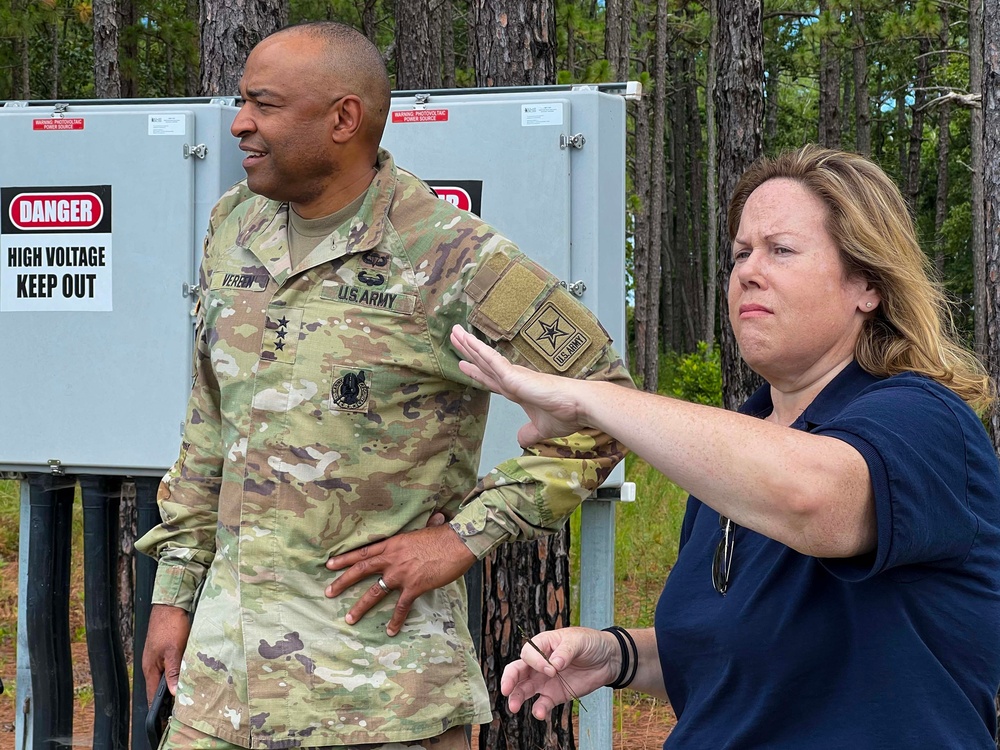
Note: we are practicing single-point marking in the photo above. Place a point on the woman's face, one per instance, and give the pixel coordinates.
(795, 314)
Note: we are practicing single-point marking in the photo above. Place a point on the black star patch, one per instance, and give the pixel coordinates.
(281, 336)
(551, 332)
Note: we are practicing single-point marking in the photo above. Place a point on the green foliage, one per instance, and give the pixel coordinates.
(694, 377)
(10, 507)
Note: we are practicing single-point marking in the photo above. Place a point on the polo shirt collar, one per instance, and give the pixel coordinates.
(828, 403)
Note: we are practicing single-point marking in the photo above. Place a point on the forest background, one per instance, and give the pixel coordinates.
(914, 85)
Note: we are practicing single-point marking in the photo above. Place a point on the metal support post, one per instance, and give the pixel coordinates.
(597, 600)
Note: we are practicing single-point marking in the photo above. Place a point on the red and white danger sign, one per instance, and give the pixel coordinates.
(37, 211)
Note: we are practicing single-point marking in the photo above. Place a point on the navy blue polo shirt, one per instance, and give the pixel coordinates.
(896, 649)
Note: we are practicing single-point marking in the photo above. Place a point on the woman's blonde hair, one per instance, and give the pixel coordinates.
(912, 329)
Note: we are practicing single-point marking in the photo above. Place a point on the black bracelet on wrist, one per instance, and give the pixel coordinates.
(630, 657)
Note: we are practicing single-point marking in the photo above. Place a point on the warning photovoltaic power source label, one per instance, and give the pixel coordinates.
(420, 115)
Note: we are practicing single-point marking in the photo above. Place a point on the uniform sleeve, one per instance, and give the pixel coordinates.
(188, 497)
(915, 439)
(523, 311)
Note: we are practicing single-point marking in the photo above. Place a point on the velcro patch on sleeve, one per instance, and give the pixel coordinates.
(487, 276)
(516, 290)
(561, 336)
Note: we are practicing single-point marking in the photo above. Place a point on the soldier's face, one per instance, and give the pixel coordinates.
(285, 122)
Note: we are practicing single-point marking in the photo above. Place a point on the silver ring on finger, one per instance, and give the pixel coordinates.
(383, 585)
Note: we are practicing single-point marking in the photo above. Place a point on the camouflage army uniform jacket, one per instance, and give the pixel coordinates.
(328, 412)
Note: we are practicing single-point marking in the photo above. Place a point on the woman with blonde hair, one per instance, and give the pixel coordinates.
(838, 580)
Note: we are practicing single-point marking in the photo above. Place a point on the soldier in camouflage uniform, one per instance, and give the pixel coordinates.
(329, 414)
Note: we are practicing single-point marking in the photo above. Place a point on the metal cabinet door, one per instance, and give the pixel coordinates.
(98, 365)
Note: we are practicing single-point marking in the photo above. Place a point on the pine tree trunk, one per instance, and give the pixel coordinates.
(617, 37)
(447, 44)
(829, 88)
(107, 75)
(526, 585)
(862, 110)
(641, 252)
(229, 30)
(515, 42)
(416, 66)
(944, 146)
(991, 188)
(661, 209)
(127, 530)
(978, 199)
(712, 278)
(369, 19)
(916, 139)
(696, 168)
(739, 106)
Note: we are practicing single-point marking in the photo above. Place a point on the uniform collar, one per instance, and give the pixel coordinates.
(265, 231)
(828, 403)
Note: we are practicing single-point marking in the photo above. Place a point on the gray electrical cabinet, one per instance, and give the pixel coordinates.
(103, 207)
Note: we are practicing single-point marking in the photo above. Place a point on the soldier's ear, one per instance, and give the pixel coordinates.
(346, 118)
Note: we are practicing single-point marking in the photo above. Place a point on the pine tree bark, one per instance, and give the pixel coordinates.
(617, 36)
(641, 252)
(107, 72)
(515, 42)
(712, 278)
(696, 275)
(447, 44)
(229, 30)
(739, 106)
(991, 188)
(829, 88)
(916, 139)
(657, 192)
(369, 19)
(417, 66)
(526, 587)
(943, 149)
(862, 110)
(978, 199)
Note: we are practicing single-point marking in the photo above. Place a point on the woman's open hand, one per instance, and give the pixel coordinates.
(550, 401)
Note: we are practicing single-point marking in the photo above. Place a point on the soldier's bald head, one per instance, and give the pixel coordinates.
(352, 65)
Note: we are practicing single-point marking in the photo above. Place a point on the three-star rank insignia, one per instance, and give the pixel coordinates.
(350, 391)
(281, 335)
(556, 334)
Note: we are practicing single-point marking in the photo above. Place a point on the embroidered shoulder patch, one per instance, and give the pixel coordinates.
(561, 335)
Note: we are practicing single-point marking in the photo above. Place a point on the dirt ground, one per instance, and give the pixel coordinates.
(639, 723)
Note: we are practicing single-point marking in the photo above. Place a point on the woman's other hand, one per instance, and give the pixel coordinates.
(568, 663)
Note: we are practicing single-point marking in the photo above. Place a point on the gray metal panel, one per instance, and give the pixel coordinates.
(97, 389)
